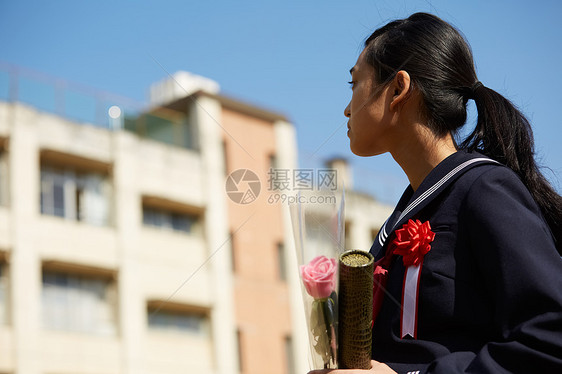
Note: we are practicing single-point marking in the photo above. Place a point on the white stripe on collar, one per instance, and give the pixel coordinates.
(429, 192)
(383, 235)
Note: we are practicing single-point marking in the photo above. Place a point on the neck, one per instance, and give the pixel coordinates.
(422, 152)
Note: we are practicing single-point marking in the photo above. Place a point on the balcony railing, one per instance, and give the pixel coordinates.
(86, 105)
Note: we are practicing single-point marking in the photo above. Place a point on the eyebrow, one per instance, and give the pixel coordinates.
(352, 70)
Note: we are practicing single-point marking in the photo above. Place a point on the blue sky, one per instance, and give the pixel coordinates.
(291, 56)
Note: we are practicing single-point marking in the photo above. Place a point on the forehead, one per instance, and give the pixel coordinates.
(361, 65)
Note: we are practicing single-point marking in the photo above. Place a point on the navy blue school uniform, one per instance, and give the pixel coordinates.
(490, 292)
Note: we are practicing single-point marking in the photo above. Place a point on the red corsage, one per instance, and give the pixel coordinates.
(412, 241)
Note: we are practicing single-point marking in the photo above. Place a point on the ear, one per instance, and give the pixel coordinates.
(400, 87)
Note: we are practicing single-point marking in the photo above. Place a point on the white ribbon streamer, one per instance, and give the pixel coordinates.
(408, 325)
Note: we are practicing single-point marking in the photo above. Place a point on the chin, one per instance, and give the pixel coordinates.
(364, 152)
(358, 151)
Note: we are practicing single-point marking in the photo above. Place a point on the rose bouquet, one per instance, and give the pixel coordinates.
(319, 234)
(319, 278)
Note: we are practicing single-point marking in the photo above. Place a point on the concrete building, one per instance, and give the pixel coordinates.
(122, 252)
(364, 215)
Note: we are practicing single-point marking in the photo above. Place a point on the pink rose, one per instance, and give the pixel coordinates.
(319, 276)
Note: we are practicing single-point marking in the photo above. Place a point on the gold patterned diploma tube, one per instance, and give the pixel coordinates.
(355, 309)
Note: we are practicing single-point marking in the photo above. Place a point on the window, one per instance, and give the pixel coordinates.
(81, 196)
(4, 187)
(170, 220)
(52, 193)
(175, 318)
(282, 265)
(225, 161)
(240, 350)
(3, 294)
(273, 161)
(276, 179)
(289, 355)
(81, 303)
(317, 230)
(163, 125)
(348, 241)
(374, 233)
(233, 256)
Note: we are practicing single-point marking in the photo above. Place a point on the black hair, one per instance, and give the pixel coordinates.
(439, 61)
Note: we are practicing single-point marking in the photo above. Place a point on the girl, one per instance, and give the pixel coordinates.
(468, 277)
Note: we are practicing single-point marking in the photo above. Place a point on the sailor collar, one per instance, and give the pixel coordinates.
(434, 184)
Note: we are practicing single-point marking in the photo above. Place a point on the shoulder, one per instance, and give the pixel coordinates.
(494, 188)
(499, 212)
(484, 186)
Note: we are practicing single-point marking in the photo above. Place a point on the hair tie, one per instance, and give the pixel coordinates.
(474, 87)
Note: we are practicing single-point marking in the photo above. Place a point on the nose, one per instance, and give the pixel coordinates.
(347, 111)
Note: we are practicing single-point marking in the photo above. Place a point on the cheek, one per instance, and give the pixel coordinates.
(362, 106)
(365, 140)
(357, 104)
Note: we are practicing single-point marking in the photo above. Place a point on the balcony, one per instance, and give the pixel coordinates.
(97, 108)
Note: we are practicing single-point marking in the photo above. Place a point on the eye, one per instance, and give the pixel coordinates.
(351, 83)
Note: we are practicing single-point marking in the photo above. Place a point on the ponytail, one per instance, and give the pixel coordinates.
(504, 134)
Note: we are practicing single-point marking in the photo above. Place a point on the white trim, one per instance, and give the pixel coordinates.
(436, 186)
(383, 235)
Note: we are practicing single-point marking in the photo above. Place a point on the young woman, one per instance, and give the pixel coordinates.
(469, 274)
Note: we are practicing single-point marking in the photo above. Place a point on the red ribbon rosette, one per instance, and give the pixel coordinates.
(412, 242)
